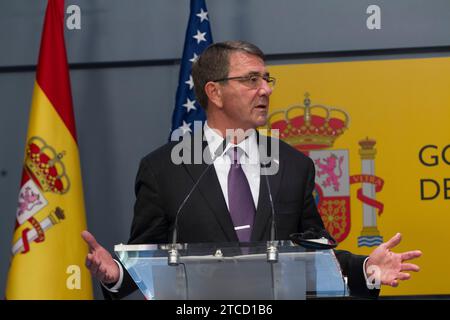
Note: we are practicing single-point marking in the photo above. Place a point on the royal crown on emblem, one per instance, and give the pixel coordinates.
(309, 127)
(46, 167)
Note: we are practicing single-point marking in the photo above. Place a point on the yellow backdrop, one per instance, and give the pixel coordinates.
(404, 105)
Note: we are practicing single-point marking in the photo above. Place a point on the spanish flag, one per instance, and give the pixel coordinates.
(48, 253)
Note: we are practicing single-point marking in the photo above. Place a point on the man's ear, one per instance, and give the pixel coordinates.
(214, 93)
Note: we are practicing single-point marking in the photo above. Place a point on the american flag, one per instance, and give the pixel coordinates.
(198, 37)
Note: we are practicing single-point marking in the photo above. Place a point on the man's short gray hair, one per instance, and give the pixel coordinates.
(214, 63)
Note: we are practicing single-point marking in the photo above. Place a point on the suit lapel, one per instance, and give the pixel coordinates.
(211, 191)
(264, 211)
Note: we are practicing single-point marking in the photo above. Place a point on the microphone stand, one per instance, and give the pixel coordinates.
(272, 244)
(173, 258)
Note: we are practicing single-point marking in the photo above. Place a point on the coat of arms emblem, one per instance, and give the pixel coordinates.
(313, 130)
(44, 172)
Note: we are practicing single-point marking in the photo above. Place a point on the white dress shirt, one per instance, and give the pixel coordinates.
(249, 160)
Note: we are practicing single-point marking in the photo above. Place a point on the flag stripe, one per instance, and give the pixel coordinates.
(52, 75)
(62, 246)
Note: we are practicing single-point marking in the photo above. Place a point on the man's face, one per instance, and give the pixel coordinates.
(245, 106)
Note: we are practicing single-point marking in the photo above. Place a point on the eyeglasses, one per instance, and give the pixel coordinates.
(254, 81)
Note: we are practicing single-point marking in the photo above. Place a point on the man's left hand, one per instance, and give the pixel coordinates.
(389, 267)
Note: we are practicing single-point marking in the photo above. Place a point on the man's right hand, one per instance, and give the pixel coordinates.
(99, 261)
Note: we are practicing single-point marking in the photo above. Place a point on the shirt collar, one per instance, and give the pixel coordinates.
(249, 145)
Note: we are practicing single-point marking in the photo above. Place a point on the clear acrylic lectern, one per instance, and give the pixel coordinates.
(232, 271)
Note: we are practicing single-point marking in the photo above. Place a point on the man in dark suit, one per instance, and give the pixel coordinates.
(231, 202)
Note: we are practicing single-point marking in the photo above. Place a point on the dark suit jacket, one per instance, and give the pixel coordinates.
(161, 187)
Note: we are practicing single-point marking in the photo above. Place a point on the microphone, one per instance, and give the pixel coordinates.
(174, 258)
(272, 245)
(272, 248)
